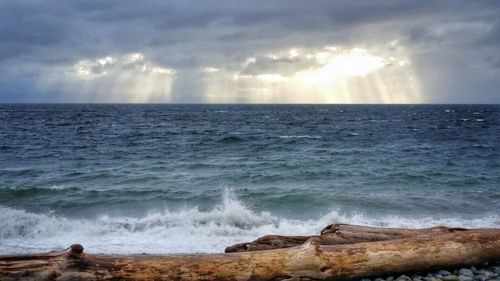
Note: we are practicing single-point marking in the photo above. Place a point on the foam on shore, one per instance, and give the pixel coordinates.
(185, 230)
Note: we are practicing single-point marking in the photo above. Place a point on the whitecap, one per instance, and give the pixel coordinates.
(187, 230)
(52, 187)
(300, 137)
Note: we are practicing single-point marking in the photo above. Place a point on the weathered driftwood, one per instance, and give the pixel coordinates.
(336, 234)
(310, 261)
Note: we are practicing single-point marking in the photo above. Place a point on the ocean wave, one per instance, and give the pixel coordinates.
(300, 137)
(185, 230)
(34, 188)
(231, 139)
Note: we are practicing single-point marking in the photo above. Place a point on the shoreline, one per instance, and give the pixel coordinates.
(339, 252)
(482, 272)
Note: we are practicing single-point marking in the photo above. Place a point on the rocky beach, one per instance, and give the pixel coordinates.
(483, 272)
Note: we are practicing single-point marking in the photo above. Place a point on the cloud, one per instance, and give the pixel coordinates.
(23, 29)
(454, 38)
(335, 61)
(284, 64)
(111, 78)
(331, 74)
(211, 69)
(109, 65)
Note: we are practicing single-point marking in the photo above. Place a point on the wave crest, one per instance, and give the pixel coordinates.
(184, 230)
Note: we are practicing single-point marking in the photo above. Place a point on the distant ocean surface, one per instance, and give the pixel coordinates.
(198, 178)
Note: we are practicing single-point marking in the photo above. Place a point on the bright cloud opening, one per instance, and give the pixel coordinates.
(113, 78)
(357, 62)
(272, 77)
(331, 74)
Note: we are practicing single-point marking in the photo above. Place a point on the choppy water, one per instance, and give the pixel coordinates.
(197, 178)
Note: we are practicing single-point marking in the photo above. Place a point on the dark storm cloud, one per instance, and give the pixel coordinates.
(41, 35)
(494, 61)
(493, 36)
(24, 28)
(131, 24)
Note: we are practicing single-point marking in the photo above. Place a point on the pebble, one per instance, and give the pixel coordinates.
(495, 269)
(416, 277)
(443, 273)
(465, 272)
(403, 278)
(451, 277)
(485, 272)
(465, 278)
(481, 273)
(481, 277)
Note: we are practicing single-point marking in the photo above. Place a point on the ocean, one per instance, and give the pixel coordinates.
(197, 178)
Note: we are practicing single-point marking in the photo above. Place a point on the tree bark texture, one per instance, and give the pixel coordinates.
(336, 234)
(309, 261)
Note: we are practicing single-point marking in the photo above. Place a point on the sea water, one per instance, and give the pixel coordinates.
(198, 178)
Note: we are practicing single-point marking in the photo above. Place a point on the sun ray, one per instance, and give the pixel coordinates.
(327, 75)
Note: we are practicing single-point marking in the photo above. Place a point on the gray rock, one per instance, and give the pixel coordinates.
(390, 278)
(365, 279)
(403, 278)
(465, 272)
(495, 269)
(430, 277)
(450, 278)
(473, 269)
(443, 272)
(465, 278)
(416, 277)
(480, 277)
(379, 279)
(485, 273)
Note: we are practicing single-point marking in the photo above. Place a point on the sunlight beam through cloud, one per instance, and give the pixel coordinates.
(127, 78)
(331, 74)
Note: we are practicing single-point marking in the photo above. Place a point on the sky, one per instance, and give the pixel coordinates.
(365, 51)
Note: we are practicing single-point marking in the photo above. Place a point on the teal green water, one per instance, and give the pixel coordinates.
(157, 178)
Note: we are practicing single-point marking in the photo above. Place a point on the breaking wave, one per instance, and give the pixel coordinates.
(180, 231)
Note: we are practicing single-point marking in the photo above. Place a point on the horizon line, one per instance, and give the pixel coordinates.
(199, 103)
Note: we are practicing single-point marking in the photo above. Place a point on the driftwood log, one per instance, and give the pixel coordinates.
(309, 261)
(336, 234)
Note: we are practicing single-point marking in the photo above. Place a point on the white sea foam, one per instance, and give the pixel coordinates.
(182, 231)
(57, 187)
(52, 187)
